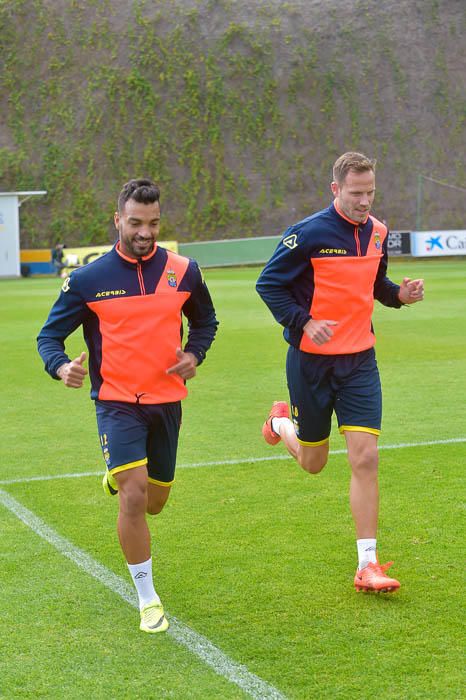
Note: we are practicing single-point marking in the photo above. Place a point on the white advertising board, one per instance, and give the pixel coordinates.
(9, 231)
(9, 236)
(434, 243)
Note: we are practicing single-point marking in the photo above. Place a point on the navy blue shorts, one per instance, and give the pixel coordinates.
(132, 435)
(321, 384)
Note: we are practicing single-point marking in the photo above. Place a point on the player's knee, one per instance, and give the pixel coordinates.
(133, 500)
(365, 461)
(155, 508)
(156, 500)
(313, 464)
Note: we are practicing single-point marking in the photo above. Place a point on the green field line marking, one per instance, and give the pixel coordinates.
(226, 462)
(196, 643)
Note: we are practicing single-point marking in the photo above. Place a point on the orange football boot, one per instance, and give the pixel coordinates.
(279, 410)
(373, 578)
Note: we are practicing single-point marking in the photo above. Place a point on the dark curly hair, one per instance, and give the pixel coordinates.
(141, 190)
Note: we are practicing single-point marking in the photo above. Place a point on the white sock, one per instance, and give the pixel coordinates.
(367, 552)
(277, 423)
(142, 579)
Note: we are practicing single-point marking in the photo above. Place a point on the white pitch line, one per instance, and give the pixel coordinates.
(196, 643)
(226, 462)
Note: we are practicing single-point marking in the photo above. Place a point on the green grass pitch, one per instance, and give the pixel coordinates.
(257, 556)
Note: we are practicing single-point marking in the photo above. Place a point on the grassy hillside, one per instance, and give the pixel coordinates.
(238, 109)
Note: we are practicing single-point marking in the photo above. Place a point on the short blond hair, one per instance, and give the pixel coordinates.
(351, 161)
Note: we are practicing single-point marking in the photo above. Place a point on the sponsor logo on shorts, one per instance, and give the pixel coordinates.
(294, 418)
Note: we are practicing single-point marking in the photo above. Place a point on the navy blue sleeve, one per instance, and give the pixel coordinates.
(66, 315)
(385, 290)
(289, 261)
(200, 312)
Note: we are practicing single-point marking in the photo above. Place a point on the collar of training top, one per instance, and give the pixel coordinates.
(135, 260)
(355, 223)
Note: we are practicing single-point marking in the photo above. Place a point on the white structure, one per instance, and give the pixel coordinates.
(433, 243)
(10, 203)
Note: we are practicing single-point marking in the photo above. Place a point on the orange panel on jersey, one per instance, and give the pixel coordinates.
(344, 292)
(132, 369)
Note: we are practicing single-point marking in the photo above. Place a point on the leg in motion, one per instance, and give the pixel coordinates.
(157, 496)
(134, 537)
(311, 457)
(364, 502)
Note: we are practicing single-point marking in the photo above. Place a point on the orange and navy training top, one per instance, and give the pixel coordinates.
(131, 314)
(328, 267)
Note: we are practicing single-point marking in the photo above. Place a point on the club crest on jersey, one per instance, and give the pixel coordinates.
(377, 240)
(291, 241)
(171, 278)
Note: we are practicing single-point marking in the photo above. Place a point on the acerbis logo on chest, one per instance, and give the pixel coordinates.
(111, 293)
